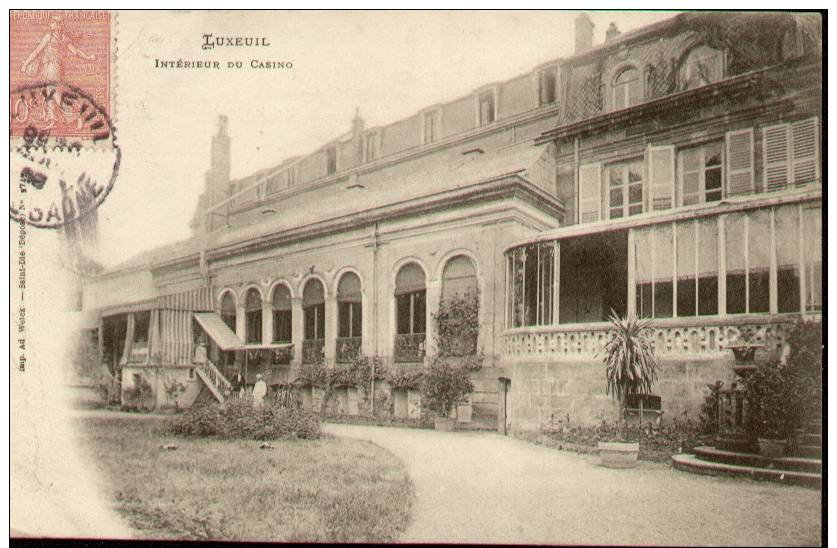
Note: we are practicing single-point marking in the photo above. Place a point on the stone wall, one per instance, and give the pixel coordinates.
(547, 392)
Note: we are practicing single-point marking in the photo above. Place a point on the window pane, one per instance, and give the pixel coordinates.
(812, 226)
(708, 266)
(357, 319)
(343, 319)
(663, 271)
(531, 297)
(736, 274)
(519, 274)
(787, 258)
(686, 269)
(712, 154)
(402, 313)
(759, 248)
(282, 326)
(419, 312)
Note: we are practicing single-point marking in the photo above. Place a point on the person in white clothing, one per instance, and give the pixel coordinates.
(259, 391)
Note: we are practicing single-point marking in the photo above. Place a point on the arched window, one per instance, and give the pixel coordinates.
(459, 277)
(313, 308)
(349, 317)
(703, 65)
(410, 307)
(253, 314)
(282, 319)
(228, 310)
(349, 306)
(626, 89)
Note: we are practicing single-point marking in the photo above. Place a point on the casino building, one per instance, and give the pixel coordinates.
(673, 172)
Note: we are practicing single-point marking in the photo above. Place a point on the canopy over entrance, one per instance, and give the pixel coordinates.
(224, 337)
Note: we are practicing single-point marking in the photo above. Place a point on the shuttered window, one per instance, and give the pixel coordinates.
(740, 179)
(661, 177)
(589, 193)
(624, 189)
(791, 154)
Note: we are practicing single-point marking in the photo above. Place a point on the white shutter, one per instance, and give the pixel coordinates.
(589, 193)
(776, 156)
(661, 177)
(805, 147)
(740, 162)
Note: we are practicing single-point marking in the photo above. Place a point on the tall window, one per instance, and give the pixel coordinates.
(282, 315)
(331, 160)
(459, 277)
(547, 83)
(626, 89)
(349, 307)
(486, 105)
(313, 309)
(701, 173)
(531, 269)
(654, 277)
(410, 292)
(697, 267)
(371, 146)
(431, 127)
(253, 314)
(702, 66)
(624, 182)
(787, 258)
(812, 234)
(748, 262)
(228, 310)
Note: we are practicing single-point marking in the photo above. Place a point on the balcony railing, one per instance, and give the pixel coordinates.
(313, 351)
(703, 336)
(348, 349)
(409, 347)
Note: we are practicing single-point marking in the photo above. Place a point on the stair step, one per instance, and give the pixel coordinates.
(690, 463)
(811, 439)
(796, 464)
(735, 444)
(809, 451)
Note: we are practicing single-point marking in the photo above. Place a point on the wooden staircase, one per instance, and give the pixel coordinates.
(218, 385)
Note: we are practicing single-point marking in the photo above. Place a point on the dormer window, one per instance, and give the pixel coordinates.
(431, 125)
(547, 83)
(703, 65)
(371, 146)
(626, 89)
(487, 107)
(290, 176)
(331, 160)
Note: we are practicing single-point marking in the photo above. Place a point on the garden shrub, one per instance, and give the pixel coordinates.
(239, 419)
(443, 385)
(139, 396)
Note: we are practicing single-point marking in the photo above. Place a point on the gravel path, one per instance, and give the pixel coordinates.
(486, 488)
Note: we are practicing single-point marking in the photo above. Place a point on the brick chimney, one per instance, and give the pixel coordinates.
(612, 32)
(358, 125)
(583, 33)
(218, 176)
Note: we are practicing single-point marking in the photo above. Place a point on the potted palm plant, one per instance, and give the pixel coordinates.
(630, 368)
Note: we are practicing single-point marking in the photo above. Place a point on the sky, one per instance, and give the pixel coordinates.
(389, 65)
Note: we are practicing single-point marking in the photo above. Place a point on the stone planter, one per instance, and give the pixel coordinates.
(444, 424)
(774, 449)
(614, 454)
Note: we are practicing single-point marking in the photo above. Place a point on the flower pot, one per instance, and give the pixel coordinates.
(614, 454)
(444, 424)
(771, 448)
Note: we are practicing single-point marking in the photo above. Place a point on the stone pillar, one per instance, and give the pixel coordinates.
(240, 322)
(267, 322)
(434, 293)
(297, 330)
(330, 330)
(367, 340)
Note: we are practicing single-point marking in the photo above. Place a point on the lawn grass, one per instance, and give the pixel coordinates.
(326, 490)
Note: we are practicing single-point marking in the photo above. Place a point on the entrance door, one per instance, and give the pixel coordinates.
(503, 413)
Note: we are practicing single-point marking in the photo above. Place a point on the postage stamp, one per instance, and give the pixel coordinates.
(51, 47)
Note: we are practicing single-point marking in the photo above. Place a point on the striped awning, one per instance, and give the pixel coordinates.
(218, 331)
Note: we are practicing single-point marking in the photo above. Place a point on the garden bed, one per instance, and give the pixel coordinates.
(657, 443)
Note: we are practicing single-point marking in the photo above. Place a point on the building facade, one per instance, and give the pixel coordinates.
(673, 172)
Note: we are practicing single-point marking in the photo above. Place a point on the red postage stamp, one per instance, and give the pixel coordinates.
(58, 57)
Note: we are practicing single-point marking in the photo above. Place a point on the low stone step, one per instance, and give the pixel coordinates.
(808, 451)
(735, 444)
(691, 463)
(796, 464)
(811, 439)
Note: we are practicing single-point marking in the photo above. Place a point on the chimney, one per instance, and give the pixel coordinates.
(358, 125)
(583, 33)
(218, 177)
(612, 32)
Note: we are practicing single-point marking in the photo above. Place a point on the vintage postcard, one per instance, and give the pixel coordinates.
(538, 277)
